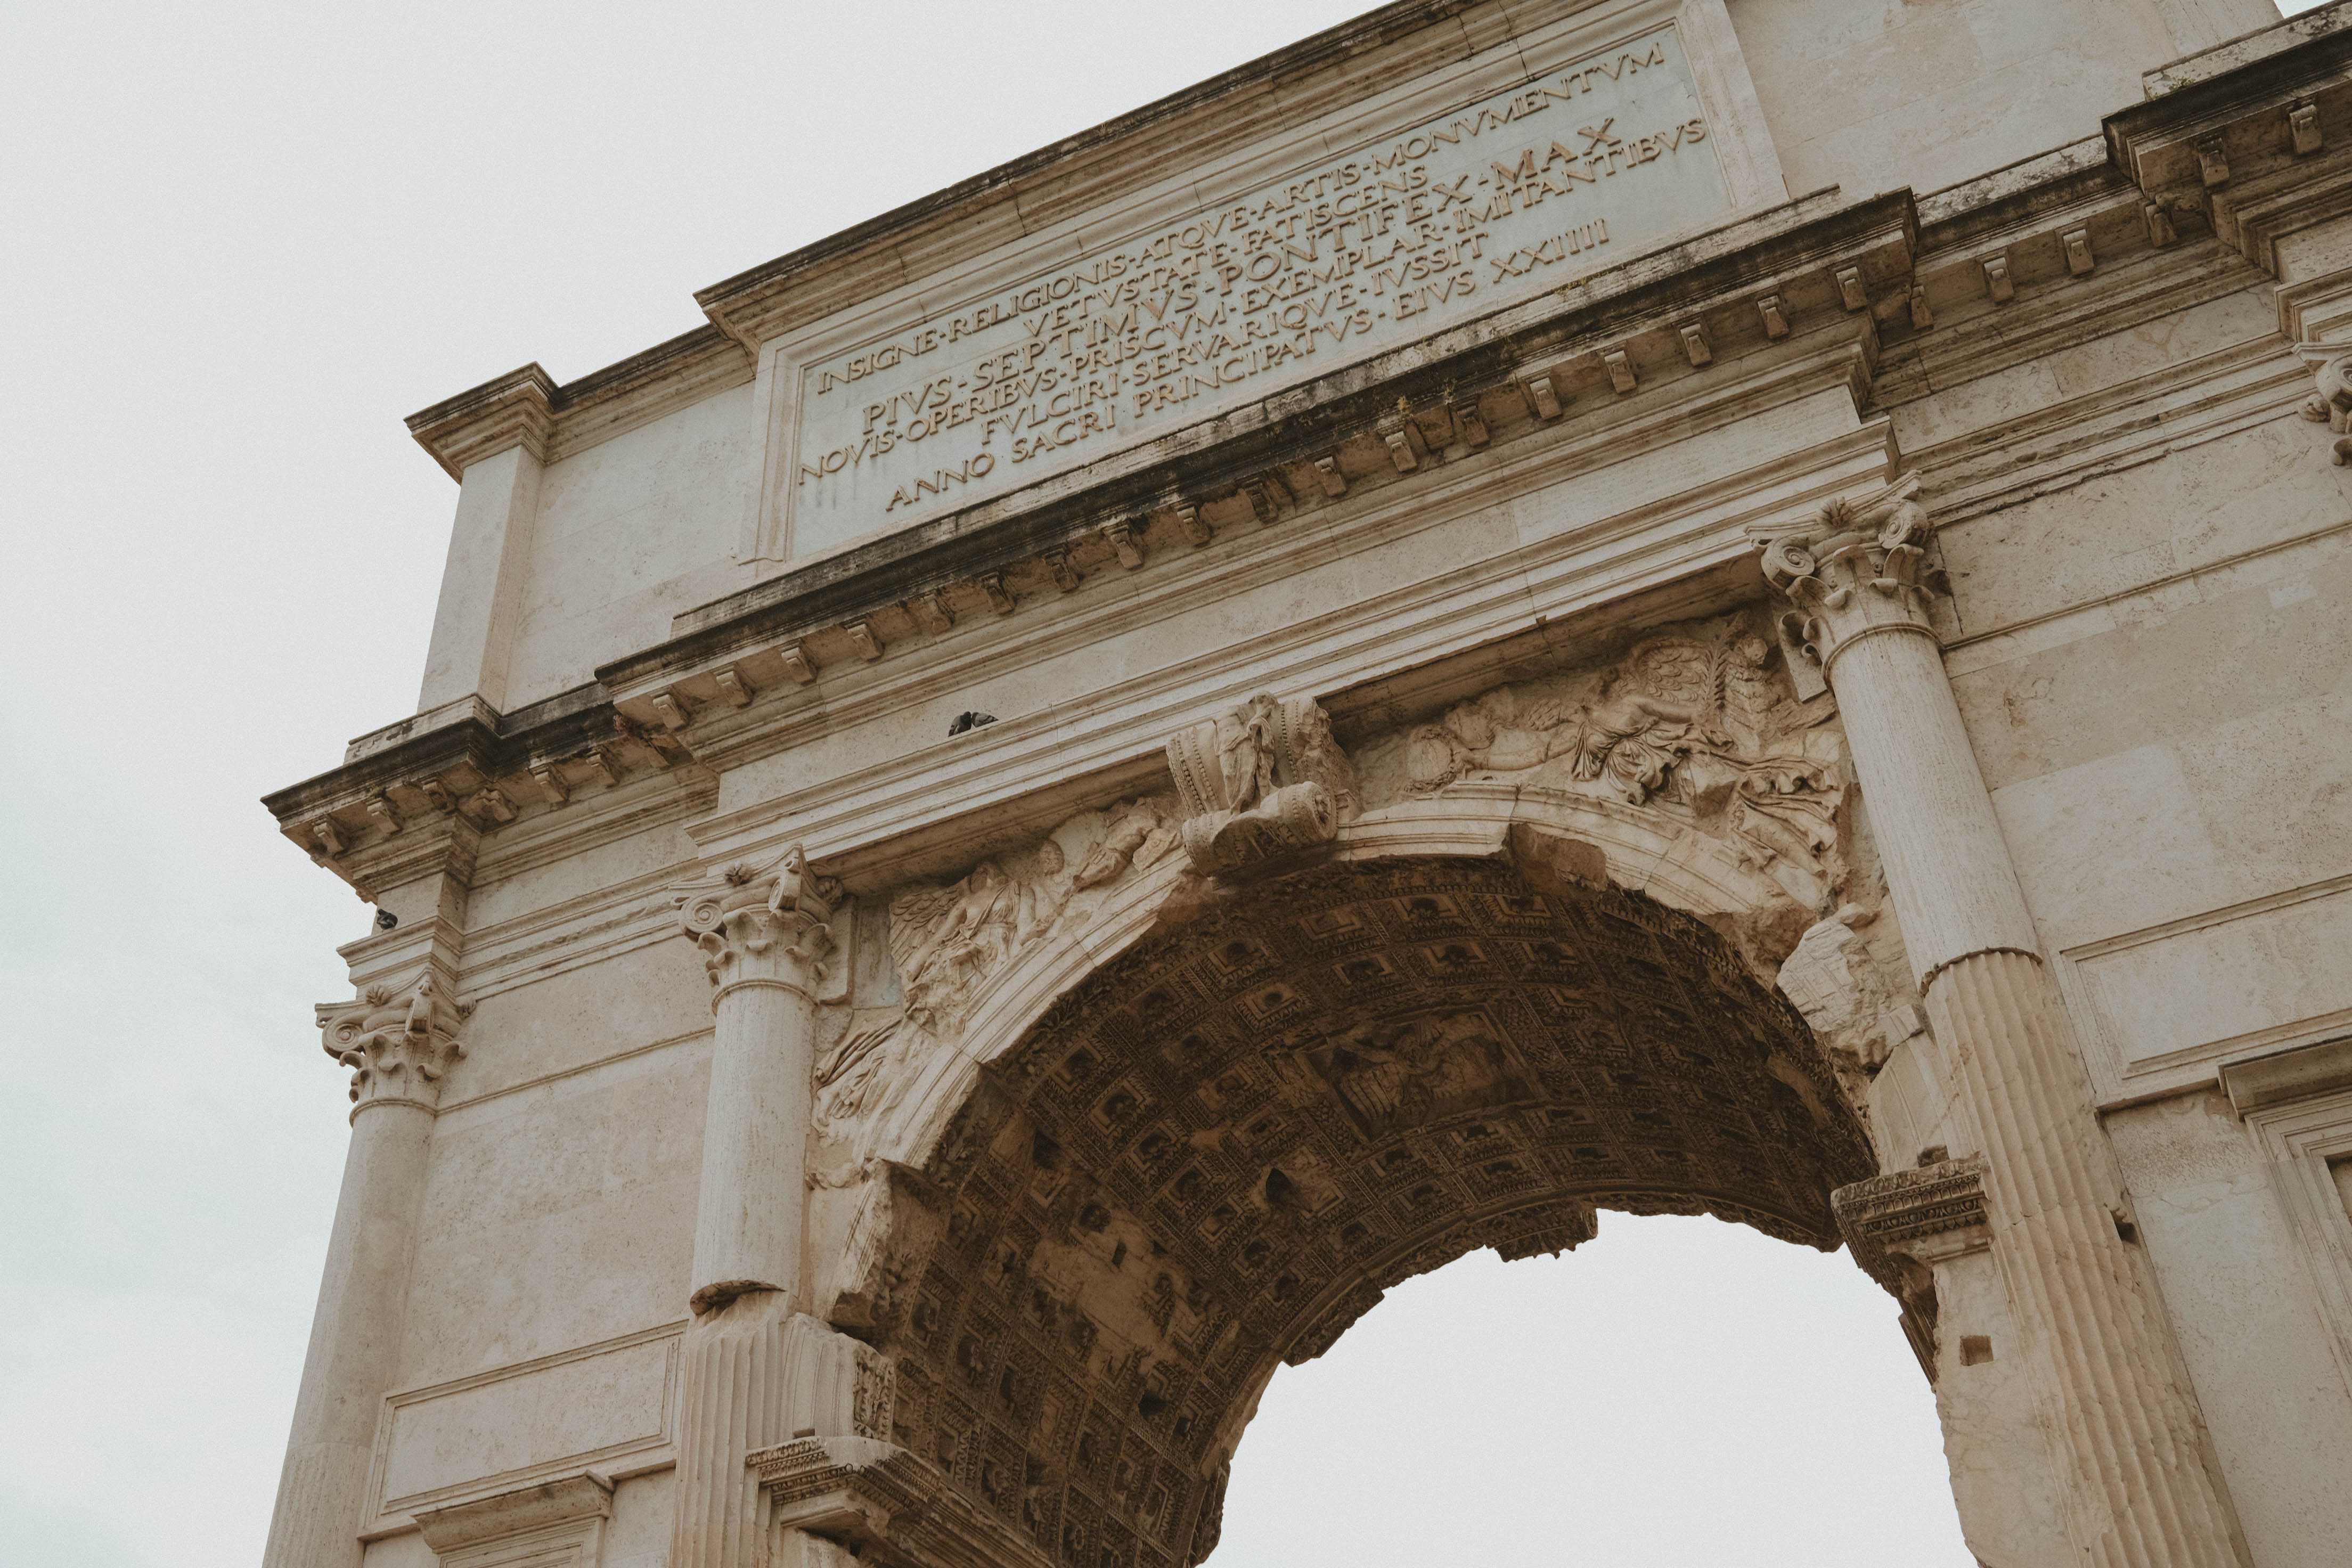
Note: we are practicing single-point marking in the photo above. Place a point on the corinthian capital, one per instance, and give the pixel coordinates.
(1862, 568)
(398, 1041)
(760, 925)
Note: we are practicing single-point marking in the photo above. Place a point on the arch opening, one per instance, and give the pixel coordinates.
(1218, 1150)
(1679, 1391)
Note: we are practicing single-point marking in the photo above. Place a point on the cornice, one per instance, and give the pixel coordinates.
(1898, 294)
(880, 824)
(2060, 314)
(1464, 396)
(1637, 309)
(936, 809)
(1246, 554)
(516, 409)
(1331, 69)
(2246, 48)
(421, 797)
(2236, 97)
(2256, 135)
(526, 408)
(2240, 93)
(646, 387)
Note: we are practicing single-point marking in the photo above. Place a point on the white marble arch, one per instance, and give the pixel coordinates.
(1640, 850)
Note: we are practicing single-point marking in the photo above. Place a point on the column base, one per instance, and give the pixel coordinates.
(885, 1504)
(757, 1374)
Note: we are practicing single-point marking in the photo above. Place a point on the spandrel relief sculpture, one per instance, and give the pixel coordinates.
(1696, 721)
(951, 943)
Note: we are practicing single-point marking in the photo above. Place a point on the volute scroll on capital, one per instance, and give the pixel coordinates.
(400, 1041)
(767, 923)
(1862, 568)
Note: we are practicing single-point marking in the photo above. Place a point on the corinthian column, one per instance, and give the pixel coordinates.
(2127, 1430)
(398, 1043)
(764, 932)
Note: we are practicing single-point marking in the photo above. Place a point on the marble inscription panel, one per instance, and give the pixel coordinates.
(1578, 168)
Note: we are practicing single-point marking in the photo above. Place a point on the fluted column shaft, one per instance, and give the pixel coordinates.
(765, 936)
(398, 1043)
(2139, 1493)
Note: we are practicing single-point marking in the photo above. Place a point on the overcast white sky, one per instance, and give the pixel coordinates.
(238, 243)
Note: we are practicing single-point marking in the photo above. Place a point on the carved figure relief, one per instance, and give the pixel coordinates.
(1699, 722)
(1264, 778)
(951, 943)
(862, 1074)
(2330, 403)
(1389, 1076)
(1859, 1002)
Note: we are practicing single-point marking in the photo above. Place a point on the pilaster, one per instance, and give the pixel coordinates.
(493, 440)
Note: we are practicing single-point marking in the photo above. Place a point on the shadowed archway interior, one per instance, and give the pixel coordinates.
(1217, 1153)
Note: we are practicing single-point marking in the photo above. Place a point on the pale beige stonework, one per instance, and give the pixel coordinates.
(1728, 607)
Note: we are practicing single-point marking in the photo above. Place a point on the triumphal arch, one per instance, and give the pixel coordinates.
(1693, 606)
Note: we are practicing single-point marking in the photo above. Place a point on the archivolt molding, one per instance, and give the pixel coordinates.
(1159, 1105)
(1016, 920)
(1687, 772)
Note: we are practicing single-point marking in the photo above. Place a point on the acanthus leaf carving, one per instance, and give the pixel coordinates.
(1862, 567)
(761, 922)
(400, 1042)
(1263, 779)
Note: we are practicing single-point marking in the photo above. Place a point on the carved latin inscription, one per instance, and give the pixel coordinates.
(1574, 168)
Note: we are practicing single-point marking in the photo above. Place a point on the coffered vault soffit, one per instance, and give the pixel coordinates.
(1218, 1150)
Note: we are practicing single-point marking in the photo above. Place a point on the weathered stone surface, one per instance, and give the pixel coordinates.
(1645, 694)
